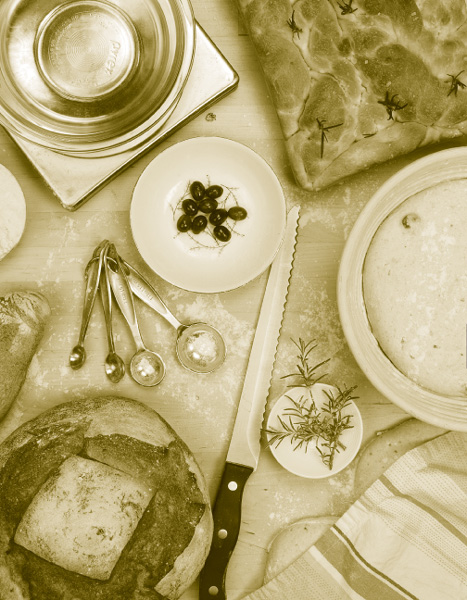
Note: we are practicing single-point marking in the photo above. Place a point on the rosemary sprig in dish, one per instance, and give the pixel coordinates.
(305, 375)
(296, 30)
(304, 423)
(456, 83)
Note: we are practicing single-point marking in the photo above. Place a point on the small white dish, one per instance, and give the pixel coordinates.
(448, 412)
(306, 460)
(198, 263)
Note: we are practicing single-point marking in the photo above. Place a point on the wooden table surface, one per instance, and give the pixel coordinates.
(57, 244)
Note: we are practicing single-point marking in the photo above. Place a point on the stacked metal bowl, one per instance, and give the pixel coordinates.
(92, 77)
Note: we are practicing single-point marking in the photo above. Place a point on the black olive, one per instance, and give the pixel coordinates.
(237, 213)
(184, 223)
(199, 224)
(214, 191)
(208, 205)
(218, 216)
(222, 233)
(190, 207)
(197, 190)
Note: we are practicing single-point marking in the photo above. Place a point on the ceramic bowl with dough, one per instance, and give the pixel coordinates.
(402, 285)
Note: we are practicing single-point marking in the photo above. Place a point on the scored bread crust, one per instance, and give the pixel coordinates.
(340, 69)
(100, 418)
(23, 316)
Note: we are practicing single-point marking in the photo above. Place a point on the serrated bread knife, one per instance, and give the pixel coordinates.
(244, 449)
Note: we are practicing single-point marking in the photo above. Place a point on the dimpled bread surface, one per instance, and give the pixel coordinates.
(334, 73)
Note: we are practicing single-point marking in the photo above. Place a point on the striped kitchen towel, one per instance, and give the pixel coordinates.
(405, 538)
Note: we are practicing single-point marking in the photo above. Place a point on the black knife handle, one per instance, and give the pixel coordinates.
(227, 519)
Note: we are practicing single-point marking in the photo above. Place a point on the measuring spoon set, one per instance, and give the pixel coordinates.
(199, 347)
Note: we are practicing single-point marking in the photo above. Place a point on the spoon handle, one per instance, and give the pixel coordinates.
(123, 295)
(144, 290)
(106, 297)
(92, 275)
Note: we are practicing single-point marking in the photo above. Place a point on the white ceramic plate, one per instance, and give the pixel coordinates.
(199, 263)
(447, 412)
(306, 461)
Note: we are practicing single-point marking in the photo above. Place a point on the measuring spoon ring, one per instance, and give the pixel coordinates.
(146, 367)
(199, 346)
(91, 276)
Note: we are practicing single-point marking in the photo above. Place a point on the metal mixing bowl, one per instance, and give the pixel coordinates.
(92, 77)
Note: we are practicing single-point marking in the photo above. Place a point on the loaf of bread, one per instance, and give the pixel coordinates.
(23, 316)
(100, 500)
(12, 212)
(358, 82)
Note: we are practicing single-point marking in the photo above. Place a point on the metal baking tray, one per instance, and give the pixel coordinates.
(73, 180)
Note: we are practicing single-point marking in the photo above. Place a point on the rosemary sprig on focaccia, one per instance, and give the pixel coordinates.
(296, 30)
(391, 104)
(456, 83)
(346, 7)
(325, 128)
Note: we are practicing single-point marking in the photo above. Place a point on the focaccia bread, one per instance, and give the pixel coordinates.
(23, 316)
(100, 500)
(359, 82)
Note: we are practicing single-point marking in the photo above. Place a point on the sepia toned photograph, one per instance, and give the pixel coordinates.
(233, 300)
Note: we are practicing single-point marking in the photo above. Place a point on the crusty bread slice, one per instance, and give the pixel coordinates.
(23, 316)
(57, 460)
(82, 518)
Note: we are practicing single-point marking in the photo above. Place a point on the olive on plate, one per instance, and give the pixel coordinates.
(218, 216)
(222, 233)
(214, 191)
(237, 213)
(184, 223)
(197, 190)
(208, 205)
(189, 207)
(199, 224)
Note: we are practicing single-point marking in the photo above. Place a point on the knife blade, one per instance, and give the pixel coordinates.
(245, 444)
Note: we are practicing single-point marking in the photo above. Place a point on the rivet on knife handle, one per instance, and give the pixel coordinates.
(227, 519)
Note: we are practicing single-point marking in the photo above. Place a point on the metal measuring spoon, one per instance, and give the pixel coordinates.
(114, 365)
(146, 367)
(91, 275)
(199, 346)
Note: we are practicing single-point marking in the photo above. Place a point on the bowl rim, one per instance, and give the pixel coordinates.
(424, 404)
(59, 140)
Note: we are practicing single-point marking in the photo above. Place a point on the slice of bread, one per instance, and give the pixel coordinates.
(83, 517)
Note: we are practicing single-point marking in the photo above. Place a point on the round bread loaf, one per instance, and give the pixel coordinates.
(100, 500)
